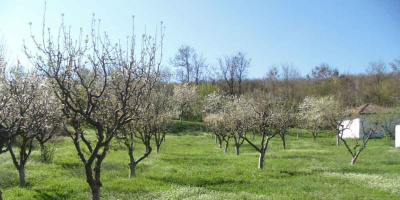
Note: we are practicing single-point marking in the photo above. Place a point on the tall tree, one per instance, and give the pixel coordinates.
(272, 80)
(233, 70)
(321, 75)
(99, 84)
(199, 67)
(190, 65)
(289, 77)
(182, 61)
(242, 66)
(375, 89)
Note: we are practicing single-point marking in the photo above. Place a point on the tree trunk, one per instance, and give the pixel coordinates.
(240, 87)
(95, 193)
(132, 164)
(297, 137)
(132, 169)
(21, 171)
(261, 160)
(283, 142)
(337, 140)
(181, 118)
(353, 160)
(220, 145)
(226, 147)
(42, 151)
(97, 183)
(157, 148)
(216, 140)
(237, 146)
(1, 197)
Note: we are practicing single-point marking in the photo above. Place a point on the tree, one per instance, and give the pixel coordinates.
(27, 109)
(289, 75)
(154, 120)
(242, 66)
(199, 67)
(233, 69)
(214, 103)
(270, 118)
(322, 75)
(334, 113)
(4, 139)
(216, 123)
(162, 111)
(5, 104)
(238, 119)
(324, 71)
(395, 65)
(140, 130)
(185, 100)
(311, 115)
(377, 71)
(190, 65)
(360, 144)
(227, 118)
(98, 84)
(50, 122)
(272, 78)
(285, 117)
(183, 60)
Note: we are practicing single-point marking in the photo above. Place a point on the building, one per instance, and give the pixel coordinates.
(368, 116)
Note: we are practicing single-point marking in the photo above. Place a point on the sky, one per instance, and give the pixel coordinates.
(304, 33)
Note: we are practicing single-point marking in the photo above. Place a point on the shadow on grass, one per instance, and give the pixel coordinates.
(198, 182)
(186, 160)
(187, 128)
(71, 165)
(41, 194)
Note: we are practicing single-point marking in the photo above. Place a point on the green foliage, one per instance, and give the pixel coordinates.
(192, 167)
(207, 88)
(185, 127)
(47, 154)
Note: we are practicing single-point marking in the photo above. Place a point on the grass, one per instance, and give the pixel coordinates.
(191, 166)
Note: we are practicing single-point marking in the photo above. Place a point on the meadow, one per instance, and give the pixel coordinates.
(191, 166)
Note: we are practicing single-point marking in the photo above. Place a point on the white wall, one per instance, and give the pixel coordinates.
(397, 136)
(351, 128)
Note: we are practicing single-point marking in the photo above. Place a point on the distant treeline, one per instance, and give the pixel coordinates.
(380, 84)
(351, 90)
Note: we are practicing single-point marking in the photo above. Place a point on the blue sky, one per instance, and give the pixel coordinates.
(345, 34)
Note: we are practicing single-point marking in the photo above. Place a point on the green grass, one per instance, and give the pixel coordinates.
(191, 166)
(187, 128)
